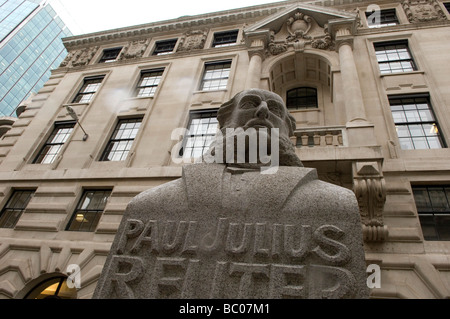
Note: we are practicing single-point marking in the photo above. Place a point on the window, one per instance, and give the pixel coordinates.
(201, 132)
(394, 57)
(15, 207)
(121, 140)
(54, 143)
(53, 288)
(110, 55)
(223, 39)
(87, 91)
(164, 47)
(447, 6)
(302, 98)
(216, 76)
(387, 18)
(433, 207)
(415, 122)
(89, 210)
(149, 82)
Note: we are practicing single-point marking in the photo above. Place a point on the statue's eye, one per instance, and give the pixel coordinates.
(274, 108)
(248, 105)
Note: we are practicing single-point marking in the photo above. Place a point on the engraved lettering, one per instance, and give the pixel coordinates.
(248, 272)
(171, 246)
(231, 245)
(342, 255)
(304, 241)
(260, 235)
(277, 240)
(219, 280)
(216, 240)
(189, 246)
(287, 281)
(133, 228)
(148, 236)
(123, 272)
(326, 282)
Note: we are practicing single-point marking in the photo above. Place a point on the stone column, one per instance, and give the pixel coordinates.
(354, 104)
(254, 70)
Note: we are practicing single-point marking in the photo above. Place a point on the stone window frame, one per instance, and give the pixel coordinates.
(433, 122)
(82, 91)
(55, 139)
(153, 87)
(82, 209)
(169, 43)
(204, 135)
(410, 59)
(297, 107)
(208, 68)
(110, 55)
(383, 12)
(15, 207)
(129, 141)
(433, 218)
(230, 33)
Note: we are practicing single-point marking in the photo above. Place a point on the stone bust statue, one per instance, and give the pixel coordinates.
(226, 229)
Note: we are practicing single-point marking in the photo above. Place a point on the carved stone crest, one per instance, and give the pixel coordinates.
(423, 10)
(134, 49)
(192, 40)
(299, 32)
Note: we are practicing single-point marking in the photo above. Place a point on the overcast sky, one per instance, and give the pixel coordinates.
(87, 16)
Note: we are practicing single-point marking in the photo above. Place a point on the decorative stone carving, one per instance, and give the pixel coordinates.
(193, 40)
(134, 49)
(79, 57)
(299, 32)
(226, 230)
(423, 10)
(370, 190)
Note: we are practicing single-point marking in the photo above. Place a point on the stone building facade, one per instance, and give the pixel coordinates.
(366, 81)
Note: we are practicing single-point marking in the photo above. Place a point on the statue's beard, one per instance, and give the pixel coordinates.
(252, 148)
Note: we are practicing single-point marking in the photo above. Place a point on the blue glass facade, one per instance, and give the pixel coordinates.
(30, 47)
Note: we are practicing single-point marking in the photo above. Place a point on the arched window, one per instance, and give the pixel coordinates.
(302, 98)
(55, 288)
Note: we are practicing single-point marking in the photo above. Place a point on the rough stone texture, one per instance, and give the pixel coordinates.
(221, 232)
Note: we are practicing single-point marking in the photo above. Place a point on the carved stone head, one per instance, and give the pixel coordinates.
(263, 112)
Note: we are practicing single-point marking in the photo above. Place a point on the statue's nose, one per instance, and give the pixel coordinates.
(262, 111)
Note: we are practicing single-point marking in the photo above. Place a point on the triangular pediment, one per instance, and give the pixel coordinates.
(321, 16)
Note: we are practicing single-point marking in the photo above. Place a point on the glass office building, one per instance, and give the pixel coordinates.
(30, 46)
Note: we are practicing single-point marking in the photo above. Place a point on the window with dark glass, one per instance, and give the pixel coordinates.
(447, 6)
(394, 57)
(88, 90)
(302, 98)
(89, 210)
(215, 76)
(110, 55)
(14, 208)
(415, 122)
(148, 82)
(201, 132)
(164, 47)
(122, 139)
(387, 18)
(54, 143)
(227, 38)
(433, 207)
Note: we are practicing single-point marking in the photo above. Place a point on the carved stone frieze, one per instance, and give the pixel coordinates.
(134, 49)
(192, 40)
(370, 190)
(300, 31)
(79, 57)
(423, 10)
